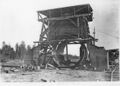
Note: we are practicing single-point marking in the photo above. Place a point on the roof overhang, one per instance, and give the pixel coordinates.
(71, 12)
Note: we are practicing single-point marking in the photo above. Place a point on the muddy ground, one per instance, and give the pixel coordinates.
(64, 75)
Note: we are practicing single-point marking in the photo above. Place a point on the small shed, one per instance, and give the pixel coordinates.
(98, 57)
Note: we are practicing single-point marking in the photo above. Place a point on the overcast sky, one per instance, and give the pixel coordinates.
(18, 20)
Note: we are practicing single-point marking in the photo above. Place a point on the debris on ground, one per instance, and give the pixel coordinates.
(43, 80)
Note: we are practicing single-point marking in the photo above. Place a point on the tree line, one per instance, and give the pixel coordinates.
(7, 52)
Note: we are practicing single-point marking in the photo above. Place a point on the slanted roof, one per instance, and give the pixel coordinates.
(69, 11)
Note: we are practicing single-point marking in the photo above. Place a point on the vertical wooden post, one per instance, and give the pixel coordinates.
(67, 52)
(94, 36)
(108, 66)
(79, 52)
(48, 29)
(78, 25)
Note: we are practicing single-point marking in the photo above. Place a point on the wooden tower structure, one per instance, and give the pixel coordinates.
(63, 26)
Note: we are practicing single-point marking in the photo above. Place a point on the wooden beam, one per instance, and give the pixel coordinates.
(73, 22)
(41, 19)
(74, 43)
(78, 25)
(108, 66)
(48, 29)
(67, 52)
(44, 32)
(40, 38)
(66, 17)
(43, 22)
(83, 40)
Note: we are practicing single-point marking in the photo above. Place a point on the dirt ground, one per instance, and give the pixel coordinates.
(64, 75)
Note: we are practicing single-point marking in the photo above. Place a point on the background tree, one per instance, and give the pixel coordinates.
(17, 51)
(7, 51)
(29, 51)
(29, 48)
(22, 50)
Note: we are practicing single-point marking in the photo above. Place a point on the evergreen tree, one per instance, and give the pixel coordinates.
(17, 51)
(7, 51)
(22, 50)
(28, 48)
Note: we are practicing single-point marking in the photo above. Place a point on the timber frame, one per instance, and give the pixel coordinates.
(72, 12)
